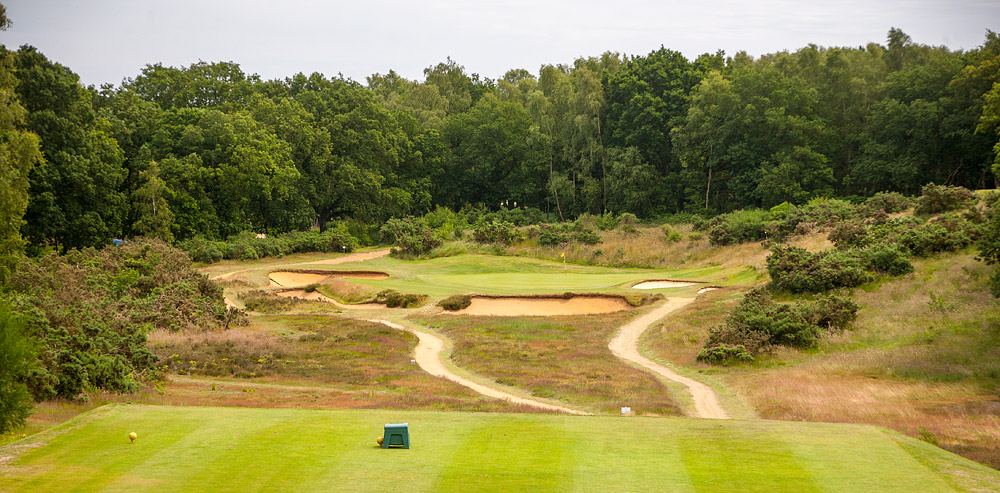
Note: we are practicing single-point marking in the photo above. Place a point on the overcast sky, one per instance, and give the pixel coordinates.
(108, 40)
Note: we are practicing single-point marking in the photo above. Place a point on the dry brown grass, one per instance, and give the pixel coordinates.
(346, 291)
(564, 358)
(924, 354)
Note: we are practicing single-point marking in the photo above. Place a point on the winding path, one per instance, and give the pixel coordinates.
(428, 356)
(625, 345)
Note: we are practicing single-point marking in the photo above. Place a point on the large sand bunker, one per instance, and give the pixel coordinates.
(517, 306)
(299, 279)
(662, 284)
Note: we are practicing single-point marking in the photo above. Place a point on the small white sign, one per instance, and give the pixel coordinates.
(626, 410)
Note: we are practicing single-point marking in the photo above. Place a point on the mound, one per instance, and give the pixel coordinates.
(519, 306)
(298, 279)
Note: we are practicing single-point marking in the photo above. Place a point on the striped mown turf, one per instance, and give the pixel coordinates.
(201, 449)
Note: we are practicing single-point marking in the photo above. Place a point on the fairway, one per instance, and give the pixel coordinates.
(487, 274)
(236, 449)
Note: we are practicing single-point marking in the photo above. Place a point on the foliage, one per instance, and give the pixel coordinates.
(410, 234)
(737, 227)
(890, 202)
(395, 299)
(944, 198)
(456, 302)
(250, 246)
(989, 244)
(796, 270)
(758, 322)
(17, 358)
(552, 237)
(66, 301)
(496, 231)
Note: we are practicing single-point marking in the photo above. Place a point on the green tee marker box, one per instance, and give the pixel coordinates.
(396, 434)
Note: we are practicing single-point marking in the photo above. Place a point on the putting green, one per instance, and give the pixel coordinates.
(199, 449)
(487, 274)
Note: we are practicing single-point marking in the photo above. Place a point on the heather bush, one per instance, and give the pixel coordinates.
(935, 199)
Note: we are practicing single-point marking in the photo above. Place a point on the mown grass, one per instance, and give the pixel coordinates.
(200, 449)
(561, 358)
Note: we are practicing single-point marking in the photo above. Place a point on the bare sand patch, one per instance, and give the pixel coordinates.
(705, 290)
(298, 279)
(662, 284)
(537, 306)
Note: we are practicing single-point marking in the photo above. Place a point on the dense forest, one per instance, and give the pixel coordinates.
(210, 151)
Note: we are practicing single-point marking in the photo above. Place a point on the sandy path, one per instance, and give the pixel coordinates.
(428, 356)
(625, 345)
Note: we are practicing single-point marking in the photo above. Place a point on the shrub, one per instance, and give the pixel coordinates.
(496, 231)
(90, 311)
(796, 270)
(395, 299)
(247, 246)
(456, 302)
(607, 221)
(587, 236)
(737, 227)
(943, 198)
(757, 323)
(724, 354)
(887, 259)
(410, 234)
(550, 237)
(890, 202)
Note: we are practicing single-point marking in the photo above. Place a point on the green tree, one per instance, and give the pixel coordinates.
(17, 356)
(154, 218)
(75, 195)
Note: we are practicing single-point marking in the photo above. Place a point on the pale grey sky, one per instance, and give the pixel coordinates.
(108, 40)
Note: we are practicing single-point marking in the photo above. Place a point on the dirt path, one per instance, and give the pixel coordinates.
(428, 356)
(625, 345)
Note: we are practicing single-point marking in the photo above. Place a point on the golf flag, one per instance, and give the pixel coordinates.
(562, 255)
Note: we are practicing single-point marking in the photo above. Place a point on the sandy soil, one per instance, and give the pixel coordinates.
(428, 356)
(705, 290)
(354, 257)
(542, 307)
(625, 345)
(662, 284)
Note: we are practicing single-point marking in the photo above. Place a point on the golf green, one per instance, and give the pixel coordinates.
(200, 448)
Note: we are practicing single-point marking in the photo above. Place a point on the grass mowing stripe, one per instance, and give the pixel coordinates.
(211, 449)
(738, 458)
(509, 454)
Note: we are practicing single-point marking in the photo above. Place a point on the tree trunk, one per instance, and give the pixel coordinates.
(708, 187)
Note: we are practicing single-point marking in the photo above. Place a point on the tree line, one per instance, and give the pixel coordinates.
(210, 151)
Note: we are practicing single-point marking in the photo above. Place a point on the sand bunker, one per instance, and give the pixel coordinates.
(302, 279)
(542, 307)
(705, 290)
(662, 284)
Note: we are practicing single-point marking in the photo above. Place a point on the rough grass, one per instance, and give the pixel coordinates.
(346, 291)
(923, 358)
(199, 449)
(562, 358)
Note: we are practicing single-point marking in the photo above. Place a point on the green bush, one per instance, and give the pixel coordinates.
(887, 259)
(550, 237)
(456, 302)
(90, 311)
(247, 246)
(890, 202)
(935, 199)
(588, 237)
(394, 299)
(496, 231)
(411, 235)
(757, 323)
(737, 227)
(796, 270)
(724, 354)
(607, 221)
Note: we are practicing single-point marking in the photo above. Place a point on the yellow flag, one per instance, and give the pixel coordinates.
(562, 255)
